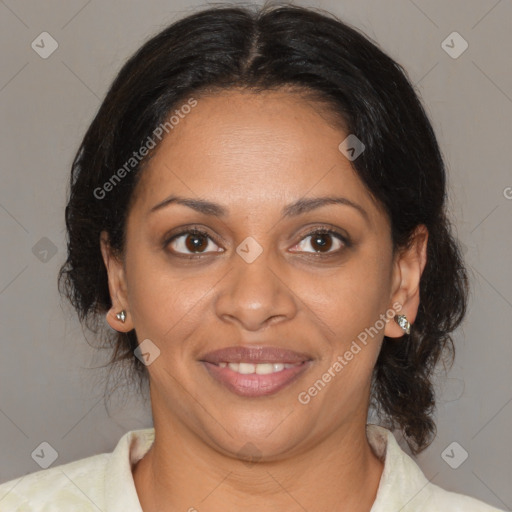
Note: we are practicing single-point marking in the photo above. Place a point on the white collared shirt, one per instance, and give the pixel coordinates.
(105, 482)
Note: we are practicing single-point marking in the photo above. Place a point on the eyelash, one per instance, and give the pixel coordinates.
(317, 231)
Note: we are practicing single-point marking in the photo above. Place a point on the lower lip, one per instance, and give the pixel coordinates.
(253, 385)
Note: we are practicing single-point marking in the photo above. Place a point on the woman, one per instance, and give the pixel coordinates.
(258, 208)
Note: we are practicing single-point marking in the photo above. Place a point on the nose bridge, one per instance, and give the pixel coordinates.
(253, 292)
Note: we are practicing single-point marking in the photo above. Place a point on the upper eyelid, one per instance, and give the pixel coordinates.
(309, 232)
(345, 239)
(332, 232)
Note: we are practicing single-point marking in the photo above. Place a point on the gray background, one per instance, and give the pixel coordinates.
(49, 389)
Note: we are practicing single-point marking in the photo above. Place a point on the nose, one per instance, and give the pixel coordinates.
(255, 294)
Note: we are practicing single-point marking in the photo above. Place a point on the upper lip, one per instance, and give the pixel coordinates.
(260, 354)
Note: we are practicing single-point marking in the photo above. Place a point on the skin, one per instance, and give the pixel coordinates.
(254, 154)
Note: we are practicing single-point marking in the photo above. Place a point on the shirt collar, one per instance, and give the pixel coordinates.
(120, 492)
(402, 483)
(403, 486)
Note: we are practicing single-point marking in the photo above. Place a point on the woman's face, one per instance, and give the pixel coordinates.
(259, 277)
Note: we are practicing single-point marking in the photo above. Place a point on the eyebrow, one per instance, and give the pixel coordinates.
(294, 209)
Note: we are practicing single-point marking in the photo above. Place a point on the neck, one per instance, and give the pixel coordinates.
(180, 472)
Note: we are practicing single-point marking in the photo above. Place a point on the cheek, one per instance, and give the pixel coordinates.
(350, 303)
(166, 306)
(352, 298)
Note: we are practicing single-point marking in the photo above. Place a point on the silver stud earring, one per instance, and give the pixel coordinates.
(121, 316)
(402, 321)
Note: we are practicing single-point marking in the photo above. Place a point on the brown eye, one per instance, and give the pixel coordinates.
(196, 243)
(322, 241)
(192, 242)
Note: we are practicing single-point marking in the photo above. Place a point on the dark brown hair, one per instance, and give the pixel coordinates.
(261, 49)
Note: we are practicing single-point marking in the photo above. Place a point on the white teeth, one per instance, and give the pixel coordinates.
(260, 368)
(246, 368)
(264, 368)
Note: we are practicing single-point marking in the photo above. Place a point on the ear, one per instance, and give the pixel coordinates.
(116, 286)
(408, 266)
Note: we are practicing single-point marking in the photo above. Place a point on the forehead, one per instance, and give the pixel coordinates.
(249, 149)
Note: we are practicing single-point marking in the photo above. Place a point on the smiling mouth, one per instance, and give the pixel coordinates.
(231, 376)
(246, 368)
(255, 371)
